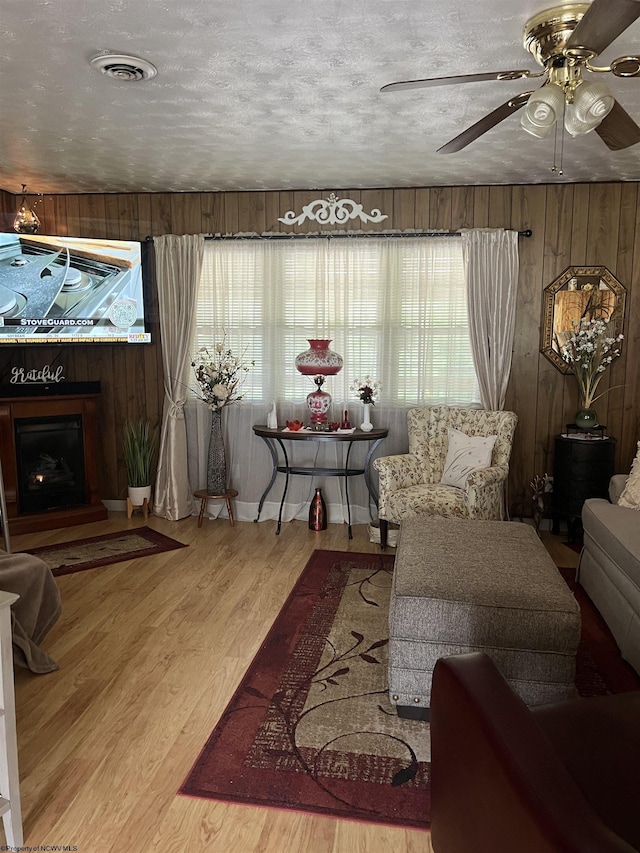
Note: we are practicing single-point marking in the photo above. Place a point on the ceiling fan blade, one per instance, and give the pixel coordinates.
(618, 130)
(461, 78)
(603, 22)
(491, 120)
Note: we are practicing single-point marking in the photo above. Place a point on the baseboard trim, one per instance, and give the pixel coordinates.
(116, 506)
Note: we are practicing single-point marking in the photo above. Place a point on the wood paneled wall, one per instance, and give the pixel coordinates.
(572, 224)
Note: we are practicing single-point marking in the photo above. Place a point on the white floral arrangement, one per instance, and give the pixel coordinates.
(220, 374)
(366, 390)
(589, 350)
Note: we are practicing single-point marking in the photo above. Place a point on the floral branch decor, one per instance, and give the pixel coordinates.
(220, 375)
(589, 350)
(366, 390)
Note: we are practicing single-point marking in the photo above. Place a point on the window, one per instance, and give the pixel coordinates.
(395, 309)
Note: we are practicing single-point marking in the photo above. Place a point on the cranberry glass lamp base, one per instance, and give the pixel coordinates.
(319, 403)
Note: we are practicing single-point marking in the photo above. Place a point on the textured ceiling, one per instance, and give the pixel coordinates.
(270, 94)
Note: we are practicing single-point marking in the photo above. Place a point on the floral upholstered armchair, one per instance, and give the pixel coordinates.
(410, 483)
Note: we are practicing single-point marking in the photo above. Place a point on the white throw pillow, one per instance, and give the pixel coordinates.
(466, 453)
(631, 494)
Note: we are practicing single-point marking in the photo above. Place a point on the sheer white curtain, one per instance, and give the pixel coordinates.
(394, 308)
(491, 266)
(178, 269)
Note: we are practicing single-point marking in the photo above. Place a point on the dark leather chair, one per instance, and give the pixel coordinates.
(505, 778)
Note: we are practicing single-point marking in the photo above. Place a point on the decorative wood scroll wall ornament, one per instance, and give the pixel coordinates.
(20, 376)
(332, 211)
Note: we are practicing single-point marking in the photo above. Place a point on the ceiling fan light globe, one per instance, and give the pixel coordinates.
(539, 131)
(542, 114)
(573, 125)
(592, 102)
(543, 109)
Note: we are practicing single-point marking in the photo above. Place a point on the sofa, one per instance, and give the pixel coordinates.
(35, 612)
(609, 568)
(505, 778)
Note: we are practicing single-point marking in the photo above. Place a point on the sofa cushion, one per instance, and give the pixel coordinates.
(616, 487)
(616, 531)
(630, 497)
(426, 499)
(465, 453)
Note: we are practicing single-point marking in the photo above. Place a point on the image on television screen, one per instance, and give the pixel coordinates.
(56, 290)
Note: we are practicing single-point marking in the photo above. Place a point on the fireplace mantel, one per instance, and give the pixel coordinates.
(25, 402)
(36, 390)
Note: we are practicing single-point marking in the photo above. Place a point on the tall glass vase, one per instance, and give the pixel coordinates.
(217, 461)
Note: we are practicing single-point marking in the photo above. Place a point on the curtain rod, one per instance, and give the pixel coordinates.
(527, 233)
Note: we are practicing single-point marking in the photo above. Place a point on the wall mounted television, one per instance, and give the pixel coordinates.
(71, 290)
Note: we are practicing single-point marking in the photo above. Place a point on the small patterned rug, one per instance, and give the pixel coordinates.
(97, 551)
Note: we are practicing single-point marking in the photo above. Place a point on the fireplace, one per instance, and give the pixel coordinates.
(50, 461)
(47, 448)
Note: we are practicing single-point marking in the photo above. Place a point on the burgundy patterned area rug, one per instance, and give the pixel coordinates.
(96, 551)
(310, 727)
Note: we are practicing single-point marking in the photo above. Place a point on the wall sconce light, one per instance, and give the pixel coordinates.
(26, 221)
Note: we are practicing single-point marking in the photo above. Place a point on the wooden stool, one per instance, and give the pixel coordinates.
(203, 495)
(144, 506)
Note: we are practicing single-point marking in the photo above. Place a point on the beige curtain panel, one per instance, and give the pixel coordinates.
(491, 269)
(178, 269)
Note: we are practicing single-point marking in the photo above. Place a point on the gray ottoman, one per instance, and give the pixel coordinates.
(463, 585)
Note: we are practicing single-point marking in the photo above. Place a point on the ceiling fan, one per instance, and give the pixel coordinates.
(563, 40)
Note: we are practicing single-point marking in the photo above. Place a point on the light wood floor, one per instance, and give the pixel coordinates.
(150, 652)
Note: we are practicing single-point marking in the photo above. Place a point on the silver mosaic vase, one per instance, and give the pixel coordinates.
(217, 460)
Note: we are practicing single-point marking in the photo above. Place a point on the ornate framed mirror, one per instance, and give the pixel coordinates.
(579, 292)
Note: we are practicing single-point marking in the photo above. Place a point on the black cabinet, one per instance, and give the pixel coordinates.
(582, 469)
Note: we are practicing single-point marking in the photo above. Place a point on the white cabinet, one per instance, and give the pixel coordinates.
(9, 780)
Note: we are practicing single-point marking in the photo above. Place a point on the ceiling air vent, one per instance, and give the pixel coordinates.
(131, 69)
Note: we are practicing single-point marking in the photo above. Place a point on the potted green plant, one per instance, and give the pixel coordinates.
(139, 445)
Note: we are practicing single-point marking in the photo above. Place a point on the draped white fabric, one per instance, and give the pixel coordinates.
(250, 466)
(394, 308)
(491, 268)
(178, 270)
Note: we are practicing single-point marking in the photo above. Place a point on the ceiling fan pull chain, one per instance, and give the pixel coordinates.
(559, 129)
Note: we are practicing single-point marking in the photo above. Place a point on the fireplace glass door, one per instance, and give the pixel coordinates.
(50, 457)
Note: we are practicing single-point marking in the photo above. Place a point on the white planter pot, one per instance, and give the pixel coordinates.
(137, 494)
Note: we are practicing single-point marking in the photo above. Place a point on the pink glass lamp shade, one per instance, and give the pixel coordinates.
(319, 361)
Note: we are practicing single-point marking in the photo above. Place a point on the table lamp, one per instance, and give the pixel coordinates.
(319, 362)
